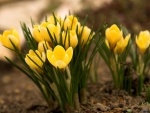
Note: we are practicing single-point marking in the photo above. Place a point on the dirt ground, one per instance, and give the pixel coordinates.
(18, 94)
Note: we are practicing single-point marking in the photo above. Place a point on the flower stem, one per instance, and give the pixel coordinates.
(83, 96)
(76, 102)
(69, 108)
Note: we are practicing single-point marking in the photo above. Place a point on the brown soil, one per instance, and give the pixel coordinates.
(18, 94)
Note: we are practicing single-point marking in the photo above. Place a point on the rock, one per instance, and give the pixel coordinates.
(101, 107)
(6, 79)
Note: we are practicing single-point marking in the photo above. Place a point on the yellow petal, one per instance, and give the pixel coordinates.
(107, 44)
(115, 28)
(59, 52)
(14, 40)
(37, 35)
(69, 52)
(6, 33)
(44, 34)
(66, 59)
(15, 33)
(60, 64)
(0, 37)
(43, 45)
(51, 58)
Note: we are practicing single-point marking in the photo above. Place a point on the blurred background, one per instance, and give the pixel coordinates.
(133, 14)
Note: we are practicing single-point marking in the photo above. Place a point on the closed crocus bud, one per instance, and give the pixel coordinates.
(55, 31)
(113, 35)
(35, 59)
(54, 20)
(86, 35)
(59, 57)
(37, 33)
(122, 44)
(43, 46)
(143, 41)
(44, 32)
(69, 37)
(9, 37)
(70, 22)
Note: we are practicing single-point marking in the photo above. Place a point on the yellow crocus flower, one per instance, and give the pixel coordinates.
(70, 22)
(143, 41)
(69, 36)
(55, 31)
(59, 57)
(51, 19)
(37, 59)
(43, 46)
(44, 32)
(12, 35)
(37, 34)
(86, 34)
(113, 35)
(122, 44)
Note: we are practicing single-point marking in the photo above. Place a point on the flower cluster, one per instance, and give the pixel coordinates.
(57, 61)
(115, 51)
(115, 40)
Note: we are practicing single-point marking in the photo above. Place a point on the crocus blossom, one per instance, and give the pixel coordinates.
(143, 41)
(59, 57)
(10, 36)
(113, 35)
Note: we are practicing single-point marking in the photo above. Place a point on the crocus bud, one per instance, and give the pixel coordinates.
(35, 59)
(59, 57)
(55, 31)
(113, 35)
(143, 41)
(37, 33)
(121, 45)
(69, 37)
(70, 23)
(86, 35)
(9, 37)
(54, 20)
(43, 46)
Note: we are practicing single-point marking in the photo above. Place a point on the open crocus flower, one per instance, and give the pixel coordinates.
(143, 41)
(8, 36)
(86, 34)
(122, 44)
(35, 59)
(69, 36)
(70, 22)
(43, 46)
(113, 35)
(59, 57)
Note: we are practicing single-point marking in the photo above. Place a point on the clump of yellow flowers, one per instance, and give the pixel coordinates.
(115, 51)
(57, 61)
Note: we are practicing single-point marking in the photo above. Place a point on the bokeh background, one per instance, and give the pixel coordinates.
(133, 14)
